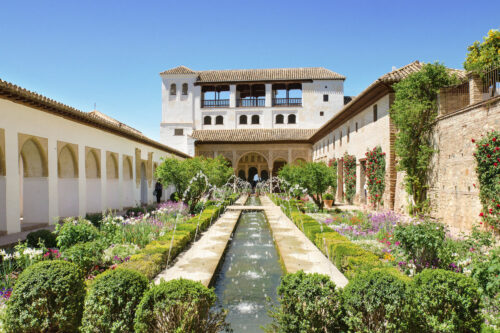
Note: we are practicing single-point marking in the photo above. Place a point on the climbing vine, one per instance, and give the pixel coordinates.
(349, 176)
(487, 156)
(414, 112)
(375, 172)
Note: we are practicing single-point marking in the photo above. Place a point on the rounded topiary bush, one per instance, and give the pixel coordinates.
(178, 306)
(47, 297)
(446, 301)
(111, 301)
(74, 231)
(44, 236)
(308, 303)
(376, 301)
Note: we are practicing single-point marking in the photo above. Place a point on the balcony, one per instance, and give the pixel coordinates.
(215, 103)
(254, 102)
(287, 101)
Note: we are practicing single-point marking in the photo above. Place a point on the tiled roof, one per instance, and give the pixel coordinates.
(99, 120)
(401, 73)
(179, 70)
(252, 75)
(253, 135)
(347, 99)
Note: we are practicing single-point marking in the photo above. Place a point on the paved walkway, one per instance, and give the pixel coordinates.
(296, 250)
(200, 262)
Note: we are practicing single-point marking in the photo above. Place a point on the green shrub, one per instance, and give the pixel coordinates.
(327, 196)
(445, 301)
(47, 297)
(119, 252)
(421, 243)
(94, 218)
(111, 301)
(86, 255)
(376, 301)
(44, 236)
(75, 231)
(178, 306)
(308, 303)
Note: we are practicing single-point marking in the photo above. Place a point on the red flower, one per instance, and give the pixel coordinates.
(481, 214)
(473, 140)
(494, 139)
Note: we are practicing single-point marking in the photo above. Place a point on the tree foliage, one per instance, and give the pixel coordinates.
(413, 112)
(485, 54)
(315, 177)
(192, 177)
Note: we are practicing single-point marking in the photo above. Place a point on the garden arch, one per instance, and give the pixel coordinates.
(252, 160)
(34, 186)
(67, 164)
(93, 179)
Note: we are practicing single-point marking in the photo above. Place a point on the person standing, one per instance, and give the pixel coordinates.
(158, 191)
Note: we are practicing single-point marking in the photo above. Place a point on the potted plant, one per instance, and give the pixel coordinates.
(328, 199)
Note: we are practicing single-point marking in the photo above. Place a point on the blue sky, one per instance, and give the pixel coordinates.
(110, 52)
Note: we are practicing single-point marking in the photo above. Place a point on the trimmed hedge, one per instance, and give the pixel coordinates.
(348, 257)
(47, 297)
(111, 301)
(152, 259)
(47, 237)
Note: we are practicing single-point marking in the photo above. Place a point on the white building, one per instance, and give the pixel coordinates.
(295, 98)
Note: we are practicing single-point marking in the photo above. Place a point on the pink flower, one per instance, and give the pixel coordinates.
(397, 243)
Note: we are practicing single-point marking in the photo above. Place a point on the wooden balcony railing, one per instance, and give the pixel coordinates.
(215, 103)
(287, 101)
(257, 102)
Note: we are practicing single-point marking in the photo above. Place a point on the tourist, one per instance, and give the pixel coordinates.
(158, 191)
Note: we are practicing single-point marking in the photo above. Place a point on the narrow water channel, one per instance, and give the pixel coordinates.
(250, 273)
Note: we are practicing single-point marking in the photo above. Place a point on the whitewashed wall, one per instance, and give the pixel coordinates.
(47, 198)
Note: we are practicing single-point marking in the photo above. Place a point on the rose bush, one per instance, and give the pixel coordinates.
(375, 172)
(349, 176)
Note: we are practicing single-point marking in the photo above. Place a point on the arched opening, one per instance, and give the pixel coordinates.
(93, 180)
(243, 120)
(251, 164)
(219, 120)
(255, 119)
(128, 182)
(184, 88)
(280, 119)
(277, 165)
(112, 184)
(173, 89)
(68, 182)
(292, 119)
(34, 186)
(144, 185)
(264, 174)
(3, 198)
(207, 120)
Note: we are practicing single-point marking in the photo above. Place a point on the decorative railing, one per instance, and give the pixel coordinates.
(491, 81)
(453, 98)
(254, 102)
(215, 103)
(287, 101)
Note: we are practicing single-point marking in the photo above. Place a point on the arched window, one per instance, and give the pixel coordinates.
(219, 120)
(292, 119)
(184, 88)
(255, 119)
(207, 120)
(173, 89)
(243, 120)
(280, 119)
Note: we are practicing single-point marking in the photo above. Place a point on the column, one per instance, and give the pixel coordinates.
(232, 96)
(104, 179)
(12, 174)
(121, 189)
(82, 181)
(53, 179)
(475, 89)
(269, 95)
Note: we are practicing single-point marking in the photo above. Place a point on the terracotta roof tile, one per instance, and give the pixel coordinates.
(20, 95)
(252, 75)
(253, 135)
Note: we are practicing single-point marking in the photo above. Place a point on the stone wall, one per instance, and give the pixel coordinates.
(453, 196)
